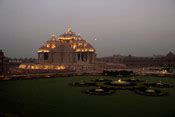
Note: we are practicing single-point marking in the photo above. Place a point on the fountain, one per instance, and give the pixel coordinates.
(100, 80)
(134, 80)
(83, 84)
(150, 91)
(100, 91)
(159, 84)
(121, 84)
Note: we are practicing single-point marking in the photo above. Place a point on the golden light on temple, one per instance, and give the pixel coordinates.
(53, 46)
(69, 30)
(53, 36)
(79, 44)
(22, 66)
(84, 50)
(65, 38)
(42, 50)
(77, 50)
(85, 44)
(58, 68)
(76, 42)
(62, 67)
(74, 46)
(42, 67)
(48, 45)
(91, 50)
(32, 67)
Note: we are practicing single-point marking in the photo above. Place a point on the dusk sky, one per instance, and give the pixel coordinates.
(137, 27)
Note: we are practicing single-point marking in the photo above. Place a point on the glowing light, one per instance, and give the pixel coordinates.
(32, 67)
(42, 50)
(48, 45)
(53, 36)
(58, 68)
(77, 50)
(62, 67)
(164, 71)
(22, 66)
(66, 38)
(85, 44)
(53, 46)
(84, 50)
(79, 44)
(74, 46)
(69, 29)
(91, 50)
(42, 67)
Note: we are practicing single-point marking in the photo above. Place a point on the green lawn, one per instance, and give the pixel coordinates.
(56, 98)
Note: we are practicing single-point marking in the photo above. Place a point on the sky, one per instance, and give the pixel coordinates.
(136, 27)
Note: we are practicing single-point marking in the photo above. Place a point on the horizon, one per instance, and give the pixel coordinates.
(140, 28)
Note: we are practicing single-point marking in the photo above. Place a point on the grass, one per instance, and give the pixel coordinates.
(55, 97)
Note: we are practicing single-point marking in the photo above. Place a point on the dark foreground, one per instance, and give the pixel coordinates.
(56, 98)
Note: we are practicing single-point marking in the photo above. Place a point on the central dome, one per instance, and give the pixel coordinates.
(68, 35)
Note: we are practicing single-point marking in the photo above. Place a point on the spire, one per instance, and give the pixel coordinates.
(53, 36)
(69, 29)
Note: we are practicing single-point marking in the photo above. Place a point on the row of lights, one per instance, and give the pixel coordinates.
(84, 50)
(52, 46)
(44, 67)
(54, 38)
(42, 50)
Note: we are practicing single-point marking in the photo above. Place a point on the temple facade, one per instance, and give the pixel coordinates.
(66, 49)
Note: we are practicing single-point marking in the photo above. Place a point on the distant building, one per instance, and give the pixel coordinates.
(4, 64)
(9, 65)
(142, 62)
(1, 62)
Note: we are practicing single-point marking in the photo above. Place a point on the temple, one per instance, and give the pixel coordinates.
(66, 51)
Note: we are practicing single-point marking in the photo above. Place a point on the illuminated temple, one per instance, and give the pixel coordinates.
(67, 51)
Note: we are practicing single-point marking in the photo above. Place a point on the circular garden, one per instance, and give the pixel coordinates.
(107, 87)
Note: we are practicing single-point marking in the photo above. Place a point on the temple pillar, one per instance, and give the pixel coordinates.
(88, 57)
(85, 56)
(82, 56)
(76, 56)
